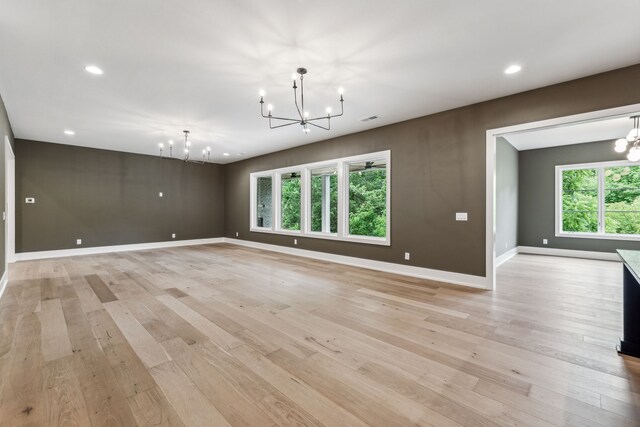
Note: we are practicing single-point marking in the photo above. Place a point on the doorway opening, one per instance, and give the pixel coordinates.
(536, 136)
(9, 205)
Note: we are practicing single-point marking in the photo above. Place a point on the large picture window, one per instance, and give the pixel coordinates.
(367, 198)
(600, 200)
(340, 199)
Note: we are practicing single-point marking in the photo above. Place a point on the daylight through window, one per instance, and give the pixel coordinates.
(599, 200)
(340, 199)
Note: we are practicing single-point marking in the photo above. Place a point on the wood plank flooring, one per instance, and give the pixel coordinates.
(224, 335)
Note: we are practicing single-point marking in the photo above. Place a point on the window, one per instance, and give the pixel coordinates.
(264, 207)
(600, 200)
(340, 199)
(324, 200)
(291, 207)
(368, 198)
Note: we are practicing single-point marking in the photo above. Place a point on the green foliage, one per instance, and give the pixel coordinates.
(368, 203)
(291, 206)
(580, 200)
(623, 222)
(579, 214)
(316, 203)
(622, 200)
(622, 184)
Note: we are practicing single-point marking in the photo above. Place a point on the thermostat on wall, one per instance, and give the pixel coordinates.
(30, 200)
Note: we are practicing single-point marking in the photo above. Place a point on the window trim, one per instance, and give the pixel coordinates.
(341, 165)
(254, 193)
(601, 205)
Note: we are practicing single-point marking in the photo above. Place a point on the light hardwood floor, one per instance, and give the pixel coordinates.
(223, 335)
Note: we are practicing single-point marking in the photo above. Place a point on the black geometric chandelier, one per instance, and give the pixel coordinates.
(303, 120)
(186, 157)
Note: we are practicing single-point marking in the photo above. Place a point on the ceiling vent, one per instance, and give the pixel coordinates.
(368, 119)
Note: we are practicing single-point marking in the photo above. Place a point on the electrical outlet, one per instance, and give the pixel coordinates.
(173, 236)
(545, 241)
(237, 234)
(461, 216)
(78, 241)
(407, 256)
(160, 194)
(295, 241)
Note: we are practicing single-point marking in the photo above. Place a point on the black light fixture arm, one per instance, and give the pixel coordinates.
(303, 119)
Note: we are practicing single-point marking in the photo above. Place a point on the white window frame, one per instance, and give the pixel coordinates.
(600, 234)
(342, 167)
(278, 200)
(254, 201)
(307, 202)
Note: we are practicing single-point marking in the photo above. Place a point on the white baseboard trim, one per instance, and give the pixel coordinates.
(571, 253)
(3, 282)
(467, 280)
(478, 282)
(506, 256)
(28, 256)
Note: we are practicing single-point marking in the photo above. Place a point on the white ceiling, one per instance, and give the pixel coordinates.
(171, 65)
(601, 130)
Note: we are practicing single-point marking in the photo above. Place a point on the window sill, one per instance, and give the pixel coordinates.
(328, 236)
(599, 236)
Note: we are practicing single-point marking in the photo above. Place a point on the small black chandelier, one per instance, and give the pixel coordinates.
(186, 157)
(303, 119)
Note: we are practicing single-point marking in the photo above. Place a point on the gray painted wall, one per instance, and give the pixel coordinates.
(506, 196)
(111, 198)
(5, 130)
(537, 195)
(438, 168)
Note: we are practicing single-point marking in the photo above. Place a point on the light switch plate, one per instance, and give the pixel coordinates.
(173, 235)
(78, 241)
(30, 200)
(461, 216)
(407, 256)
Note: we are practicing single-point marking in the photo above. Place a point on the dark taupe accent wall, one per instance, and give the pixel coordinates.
(5, 131)
(438, 168)
(506, 196)
(537, 191)
(111, 198)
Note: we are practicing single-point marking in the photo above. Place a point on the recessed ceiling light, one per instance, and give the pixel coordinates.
(94, 69)
(69, 132)
(512, 69)
(239, 154)
(225, 154)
